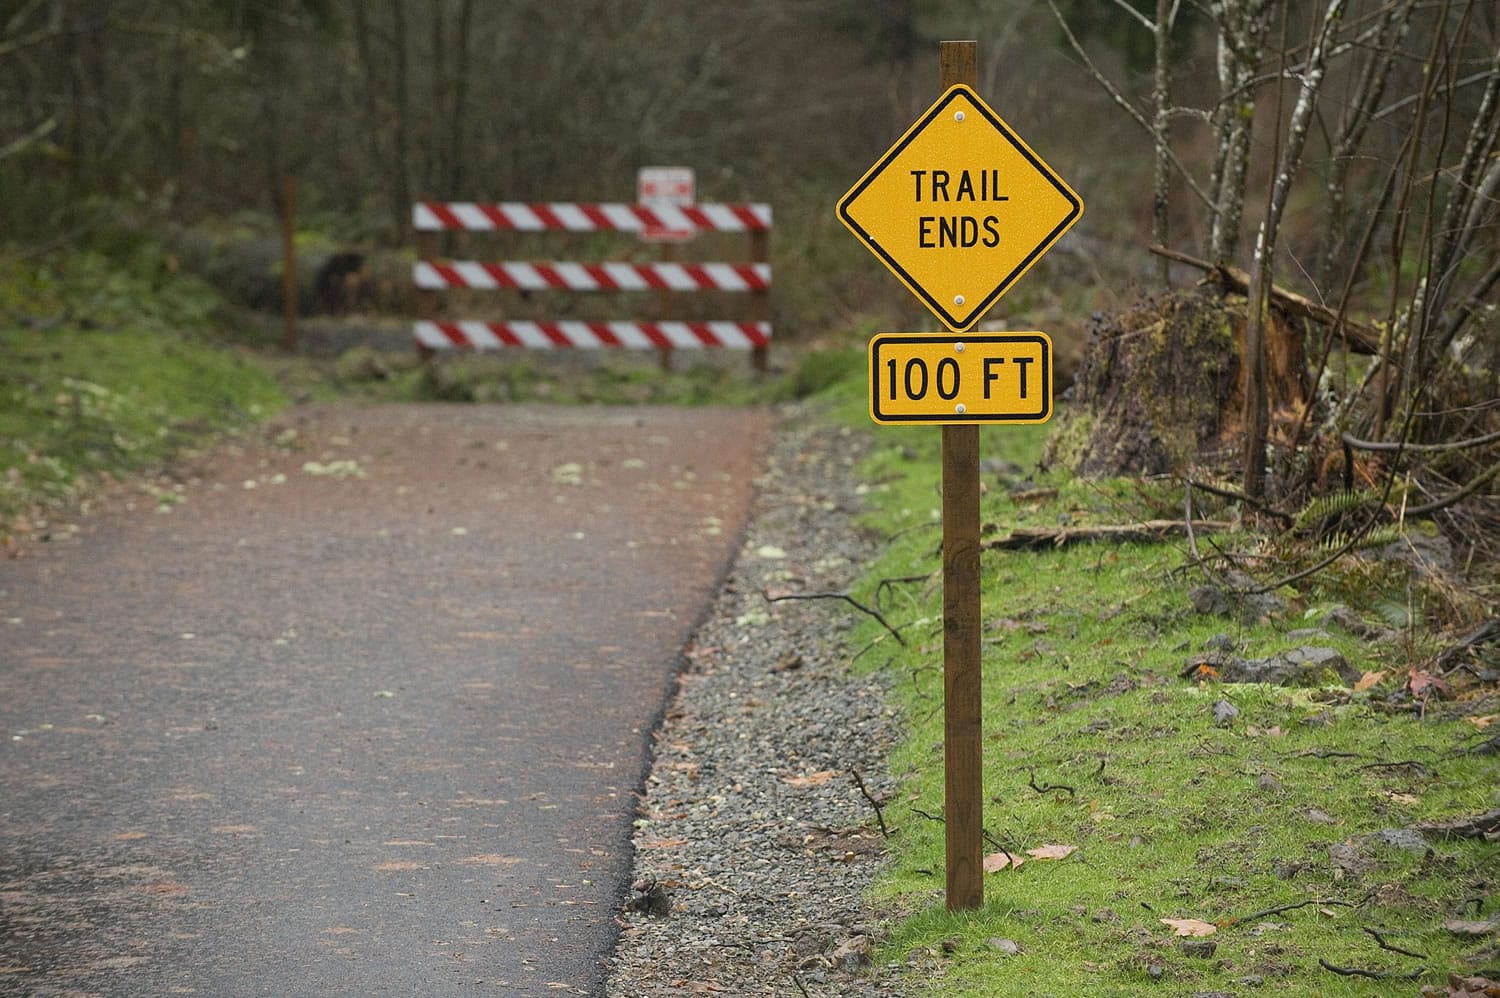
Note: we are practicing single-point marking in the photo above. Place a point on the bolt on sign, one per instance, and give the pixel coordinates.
(959, 208)
(960, 378)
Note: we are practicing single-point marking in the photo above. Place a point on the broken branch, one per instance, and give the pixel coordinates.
(1048, 787)
(847, 599)
(1380, 941)
(879, 813)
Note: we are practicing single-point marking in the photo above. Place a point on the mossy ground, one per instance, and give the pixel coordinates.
(1174, 812)
(108, 368)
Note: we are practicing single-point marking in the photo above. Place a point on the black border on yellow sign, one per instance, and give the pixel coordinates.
(953, 419)
(958, 323)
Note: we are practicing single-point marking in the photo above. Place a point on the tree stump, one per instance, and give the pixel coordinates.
(1162, 388)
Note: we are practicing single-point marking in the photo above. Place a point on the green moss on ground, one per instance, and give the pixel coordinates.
(108, 370)
(1285, 823)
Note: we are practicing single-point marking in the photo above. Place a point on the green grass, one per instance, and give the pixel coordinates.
(1173, 815)
(108, 370)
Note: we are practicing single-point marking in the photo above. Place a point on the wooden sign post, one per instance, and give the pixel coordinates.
(963, 767)
(958, 209)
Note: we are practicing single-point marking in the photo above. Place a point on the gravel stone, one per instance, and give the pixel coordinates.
(751, 820)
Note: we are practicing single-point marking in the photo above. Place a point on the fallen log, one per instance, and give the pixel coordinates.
(1037, 538)
(1360, 337)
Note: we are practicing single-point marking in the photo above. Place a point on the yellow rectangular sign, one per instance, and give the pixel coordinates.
(960, 378)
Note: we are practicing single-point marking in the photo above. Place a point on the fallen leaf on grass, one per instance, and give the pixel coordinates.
(1370, 679)
(1051, 852)
(1424, 684)
(1482, 722)
(1193, 927)
(997, 861)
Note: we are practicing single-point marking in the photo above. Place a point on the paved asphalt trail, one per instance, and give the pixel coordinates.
(316, 733)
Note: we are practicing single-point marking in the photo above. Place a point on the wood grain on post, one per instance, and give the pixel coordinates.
(963, 808)
(760, 310)
(426, 298)
(664, 313)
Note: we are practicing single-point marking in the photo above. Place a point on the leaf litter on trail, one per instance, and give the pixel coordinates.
(810, 779)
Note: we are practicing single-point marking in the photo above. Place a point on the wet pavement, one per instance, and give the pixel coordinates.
(365, 713)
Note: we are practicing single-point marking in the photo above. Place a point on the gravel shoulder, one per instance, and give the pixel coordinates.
(755, 844)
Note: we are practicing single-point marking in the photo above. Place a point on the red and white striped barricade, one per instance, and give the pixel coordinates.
(432, 275)
(578, 334)
(469, 216)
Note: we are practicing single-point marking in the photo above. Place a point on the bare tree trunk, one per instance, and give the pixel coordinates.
(374, 128)
(1162, 133)
(1454, 234)
(1243, 26)
(457, 150)
(401, 190)
(1394, 24)
(1257, 411)
(433, 166)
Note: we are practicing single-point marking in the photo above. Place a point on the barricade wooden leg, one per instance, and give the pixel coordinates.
(760, 252)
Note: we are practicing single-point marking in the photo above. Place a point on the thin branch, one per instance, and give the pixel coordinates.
(1374, 975)
(892, 582)
(1256, 504)
(1395, 106)
(1125, 105)
(1278, 909)
(1403, 764)
(1380, 941)
(1396, 445)
(1046, 788)
(879, 812)
(1427, 509)
(847, 599)
(23, 142)
(1142, 19)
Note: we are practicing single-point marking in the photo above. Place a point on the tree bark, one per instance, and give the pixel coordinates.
(1162, 134)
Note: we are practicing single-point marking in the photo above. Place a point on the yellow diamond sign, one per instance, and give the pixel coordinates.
(959, 208)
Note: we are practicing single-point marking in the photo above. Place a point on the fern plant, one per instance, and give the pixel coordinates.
(1332, 506)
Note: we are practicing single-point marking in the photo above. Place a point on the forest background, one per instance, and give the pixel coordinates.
(1333, 161)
